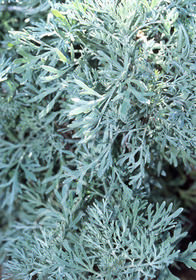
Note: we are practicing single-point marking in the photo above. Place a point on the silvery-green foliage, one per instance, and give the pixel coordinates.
(134, 88)
(99, 97)
(129, 82)
(4, 69)
(114, 239)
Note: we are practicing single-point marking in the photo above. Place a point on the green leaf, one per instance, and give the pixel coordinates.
(43, 94)
(154, 3)
(139, 95)
(85, 107)
(123, 109)
(50, 105)
(87, 89)
(57, 14)
(188, 257)
(51, 69)
(61, 55)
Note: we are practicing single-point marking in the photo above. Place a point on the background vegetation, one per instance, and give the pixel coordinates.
(97, 138)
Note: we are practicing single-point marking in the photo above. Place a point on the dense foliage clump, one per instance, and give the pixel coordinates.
(97, 107)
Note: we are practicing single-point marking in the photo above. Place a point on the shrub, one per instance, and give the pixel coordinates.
(98, 102)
